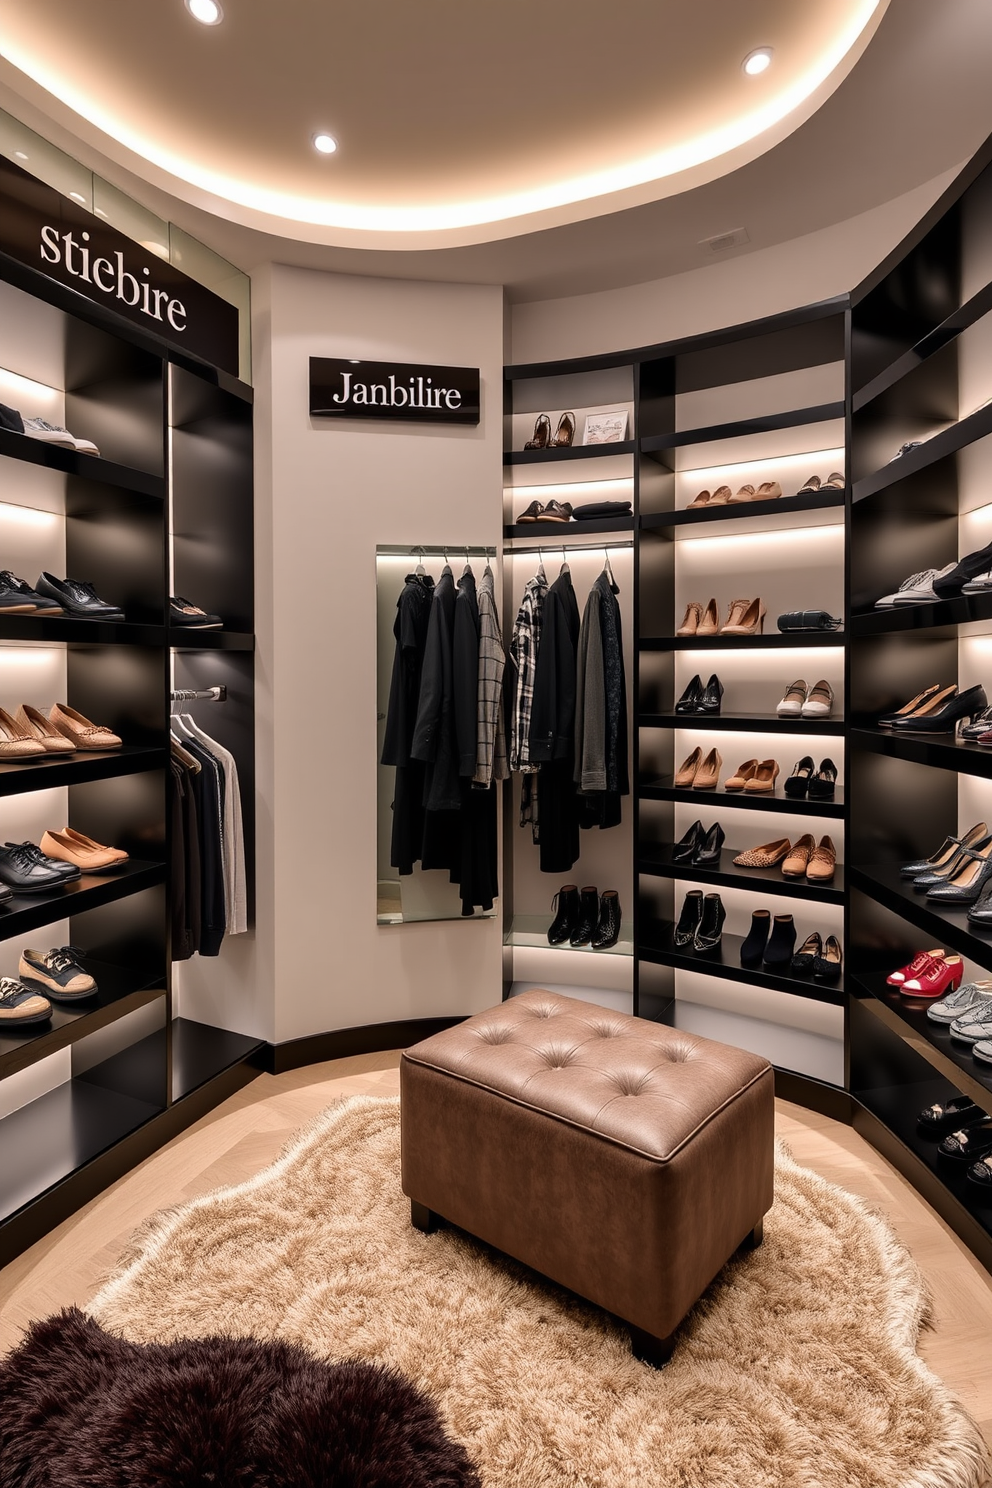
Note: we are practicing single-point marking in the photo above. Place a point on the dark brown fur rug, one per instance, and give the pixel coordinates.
(80, 1408)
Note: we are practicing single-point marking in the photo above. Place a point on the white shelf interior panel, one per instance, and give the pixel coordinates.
(760, 397)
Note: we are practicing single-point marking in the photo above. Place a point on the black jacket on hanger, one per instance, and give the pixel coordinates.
(207, 794)
(552, 727)
(184, 850)
(465, 661)
(552, 719)
(413, 609)
(434, 739)
(602, 808)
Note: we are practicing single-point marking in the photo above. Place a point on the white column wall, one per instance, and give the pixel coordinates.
(326, 493)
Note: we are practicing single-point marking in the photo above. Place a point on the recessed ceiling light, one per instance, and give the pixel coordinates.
(757, 61)
(20, 155)
(325, 143)
(207, 11)
(77, 196)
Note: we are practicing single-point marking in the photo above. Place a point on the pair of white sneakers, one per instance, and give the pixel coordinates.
(968, 1014)
(39, 428)
(918, 588)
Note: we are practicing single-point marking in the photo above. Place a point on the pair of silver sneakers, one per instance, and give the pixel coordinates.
(968, 1014)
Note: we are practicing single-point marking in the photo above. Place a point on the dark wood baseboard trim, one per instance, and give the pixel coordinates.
(41, 1217)
(815, 1095)
(370, 1038)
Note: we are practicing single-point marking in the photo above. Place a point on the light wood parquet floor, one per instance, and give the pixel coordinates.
(249, 1130)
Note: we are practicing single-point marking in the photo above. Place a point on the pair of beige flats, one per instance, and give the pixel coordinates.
(30, 733)
(724, 496)
(806, 858)
(83, 852)
(745, 617)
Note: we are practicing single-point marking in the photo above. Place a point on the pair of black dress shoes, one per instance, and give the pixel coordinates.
(586, 918)
(25, 869)
(700, 699)
(699, 847)
(937, 710)
(700, 925)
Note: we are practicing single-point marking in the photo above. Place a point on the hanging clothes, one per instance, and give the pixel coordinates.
(465, 673)
(434, 740)
(232, 827)
(208, 789)
(525, 644)
(552, 726)
(491, 755)
(442, 716)
(184, 852)
(601, 768)
(413, 609)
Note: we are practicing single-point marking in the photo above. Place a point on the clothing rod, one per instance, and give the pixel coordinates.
(435, 550)
(573, 549)
(207, 695)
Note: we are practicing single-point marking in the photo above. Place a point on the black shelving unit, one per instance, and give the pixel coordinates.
(166, 506)
(752, 723)
(916, 372)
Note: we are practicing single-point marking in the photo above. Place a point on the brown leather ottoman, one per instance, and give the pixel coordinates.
(622, 1159)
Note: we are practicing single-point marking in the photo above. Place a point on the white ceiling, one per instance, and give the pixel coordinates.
(916, 103)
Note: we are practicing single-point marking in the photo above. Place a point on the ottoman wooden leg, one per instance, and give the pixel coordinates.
(754, 1239)
(649, 1349)
(423, 1218)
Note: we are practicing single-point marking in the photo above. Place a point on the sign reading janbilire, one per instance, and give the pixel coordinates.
(50, 233)
(350, 388)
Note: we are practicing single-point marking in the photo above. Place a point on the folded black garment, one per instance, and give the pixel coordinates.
(808, 620)
(593, 509)
(11, 419)
(971, 565)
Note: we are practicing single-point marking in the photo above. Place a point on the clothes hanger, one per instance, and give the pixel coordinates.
(607, 568)
(564, 563)
(447, 566)
(468, 567)
(420, 571)
(540, 566)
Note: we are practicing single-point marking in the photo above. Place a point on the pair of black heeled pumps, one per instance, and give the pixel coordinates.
(699, 847)
(586, 918)
(700, 699)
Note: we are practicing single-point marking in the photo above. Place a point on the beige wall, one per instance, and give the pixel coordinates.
(327, 493)
(721, 293)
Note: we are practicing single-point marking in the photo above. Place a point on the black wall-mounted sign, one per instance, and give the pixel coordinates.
(343, 387)
(54, 235)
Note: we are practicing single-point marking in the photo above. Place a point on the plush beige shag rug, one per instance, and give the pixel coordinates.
(798, 1369)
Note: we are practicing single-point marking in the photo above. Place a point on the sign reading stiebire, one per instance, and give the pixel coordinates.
(50, 233)
(343, 387)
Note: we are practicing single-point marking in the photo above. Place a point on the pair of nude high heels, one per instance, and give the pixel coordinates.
(745, 617)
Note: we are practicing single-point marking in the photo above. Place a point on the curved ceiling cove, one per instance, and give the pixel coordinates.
(454, 123)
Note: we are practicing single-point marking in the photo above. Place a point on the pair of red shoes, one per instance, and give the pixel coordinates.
(929, 974)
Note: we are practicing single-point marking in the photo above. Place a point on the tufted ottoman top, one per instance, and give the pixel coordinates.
(640, 1084)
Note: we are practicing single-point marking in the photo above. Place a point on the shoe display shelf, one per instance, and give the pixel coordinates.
(921, 371)
(575, 476)
(166, 506)
(760, 404)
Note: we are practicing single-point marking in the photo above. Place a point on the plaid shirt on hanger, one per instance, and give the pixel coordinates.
(491, 749)
(524, 646)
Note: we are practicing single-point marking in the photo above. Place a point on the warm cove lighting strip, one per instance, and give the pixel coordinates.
(786, 536)
(769, 464)
(448, 215)
(25, 395)
(604, 489)
(27, 516)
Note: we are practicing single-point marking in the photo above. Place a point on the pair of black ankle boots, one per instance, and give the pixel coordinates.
(586, 917)
(700, 925)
